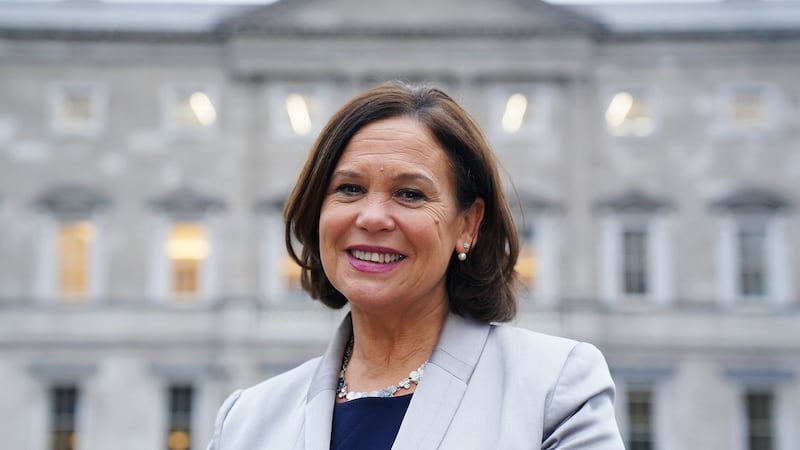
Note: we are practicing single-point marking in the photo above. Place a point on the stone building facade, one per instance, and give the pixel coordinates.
(146, 151)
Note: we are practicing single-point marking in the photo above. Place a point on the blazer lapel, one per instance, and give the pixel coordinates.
(444, 382)
(322, 391)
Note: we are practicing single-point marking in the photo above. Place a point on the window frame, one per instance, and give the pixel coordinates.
(273, 256)
(279, 125)
(53, 420)
(724, 99)
(777, 268)
(160, 281)
(658, 381)
(776, 381)
(534, 128)
(611, 261)
(652, 98)
(94, 126)
(189, 422)
(46, 284)
(169, 101)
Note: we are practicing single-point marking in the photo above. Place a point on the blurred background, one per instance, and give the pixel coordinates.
(147, 148)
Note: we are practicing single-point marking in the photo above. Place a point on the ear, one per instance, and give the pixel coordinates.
(470, 224)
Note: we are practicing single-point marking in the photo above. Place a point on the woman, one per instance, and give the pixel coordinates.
(401, 216)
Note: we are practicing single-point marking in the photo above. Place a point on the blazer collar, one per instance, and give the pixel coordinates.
(322, 391)
(435, 400)
(445, 381)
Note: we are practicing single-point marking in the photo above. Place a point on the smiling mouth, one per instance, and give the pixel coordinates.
(380, 258)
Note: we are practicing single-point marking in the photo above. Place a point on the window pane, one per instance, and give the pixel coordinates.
(187, 249)
(634, 261)
(759, 420)
(74, 249)
(63, 411)
(180, 417)
(301, 111)
(527, 262)
(75, 105)
(640, 418)
(517, 113)
(193, 108)
(629, 113)
(752, 261)
(747, 107)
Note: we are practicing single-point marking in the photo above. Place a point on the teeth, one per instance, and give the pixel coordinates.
(381, 258)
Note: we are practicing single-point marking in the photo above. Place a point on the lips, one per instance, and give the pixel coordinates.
(376, 257)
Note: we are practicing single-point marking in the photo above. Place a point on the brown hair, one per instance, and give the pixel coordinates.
(482, 287)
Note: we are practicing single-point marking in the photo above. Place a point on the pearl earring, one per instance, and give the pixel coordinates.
(463, 256)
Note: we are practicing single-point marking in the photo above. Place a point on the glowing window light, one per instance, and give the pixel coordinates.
(514, 114)
(527, 265)
(618, 109)
(629, 114)
(299, 116)
(187, 242)
(187, 248)
(747, 108)
(203, 109)
(74, 245)
(178, 440)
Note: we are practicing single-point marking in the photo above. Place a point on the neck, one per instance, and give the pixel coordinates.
(386, 349)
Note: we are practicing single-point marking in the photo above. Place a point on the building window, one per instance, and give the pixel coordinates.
(74, 251)
(634, 254)
(187, 249)
(179, 416)
(63, 416)
(519, 111)
(634, 266)
(183, 251)
(77, 108)
(747, 107)
(539, 236)
(189, 108)
(298, 110)
(630, 112)
(70, 248)
(640, 418)
(280, 274)
(760, 420)
(527, 262)
(291, 275)
(752, 256)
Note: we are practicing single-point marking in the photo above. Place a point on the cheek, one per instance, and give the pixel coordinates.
(438, 225)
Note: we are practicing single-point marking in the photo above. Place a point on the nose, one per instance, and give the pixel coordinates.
(375, 215)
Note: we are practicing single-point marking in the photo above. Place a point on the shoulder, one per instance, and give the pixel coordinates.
(577, 389)
(275, 404)
(288, 385)
(524, 341)
(563, 357)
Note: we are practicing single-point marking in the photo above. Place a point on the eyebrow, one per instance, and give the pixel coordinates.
(402, 177)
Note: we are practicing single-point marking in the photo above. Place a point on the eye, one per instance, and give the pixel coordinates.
(349, 190)
(410, 195)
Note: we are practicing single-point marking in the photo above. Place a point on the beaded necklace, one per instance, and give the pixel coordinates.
(389, 391)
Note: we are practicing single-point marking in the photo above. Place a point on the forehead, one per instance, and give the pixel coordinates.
(395, 138)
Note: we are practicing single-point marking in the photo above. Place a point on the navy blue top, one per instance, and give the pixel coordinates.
(369, 423)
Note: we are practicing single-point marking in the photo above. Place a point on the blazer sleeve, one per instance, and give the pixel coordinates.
(580, 411)
(226, 407)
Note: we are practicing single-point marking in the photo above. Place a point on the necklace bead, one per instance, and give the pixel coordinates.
(413, 378)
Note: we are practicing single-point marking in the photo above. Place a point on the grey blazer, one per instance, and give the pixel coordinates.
(485, 387)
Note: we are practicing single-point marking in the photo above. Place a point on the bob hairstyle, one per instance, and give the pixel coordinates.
(482, 287)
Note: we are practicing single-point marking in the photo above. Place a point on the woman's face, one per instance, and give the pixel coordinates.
(390, 222)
